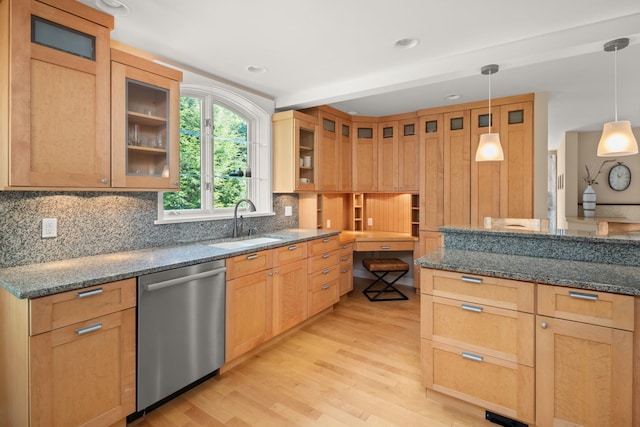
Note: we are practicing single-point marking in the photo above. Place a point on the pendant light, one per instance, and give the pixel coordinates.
(617, 137)
(489, 148)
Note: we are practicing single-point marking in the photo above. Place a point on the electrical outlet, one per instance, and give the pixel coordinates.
(369, 222)
(49, 227)
(288, 211)
(328, 223)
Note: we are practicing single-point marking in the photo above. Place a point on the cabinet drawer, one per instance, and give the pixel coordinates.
(384, 246)
(320, 278)
(289, 253)
(495, 384)
(346, 248)
(506, 334)
(320, 246)
(323, 297)
(598, 308)
(59, 310)
(503, 293)
(242, 265)
(322, 261)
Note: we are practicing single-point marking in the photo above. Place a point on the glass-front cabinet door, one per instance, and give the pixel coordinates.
(145, 111)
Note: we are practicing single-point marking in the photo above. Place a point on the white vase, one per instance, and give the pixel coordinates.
(589, 202)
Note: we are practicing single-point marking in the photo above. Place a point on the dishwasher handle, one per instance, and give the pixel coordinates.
(180, 280)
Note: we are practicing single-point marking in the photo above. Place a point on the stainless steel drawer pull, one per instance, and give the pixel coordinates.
(327, 271)
(89, 293)
(325, 240)
(473, 357)
(292, 247)
(385, 247)
(88, 329)
(252, 256)
(471, 279)
(325, 287)
(580, 295)
(346, 270)
(344, 258)
(344, 246)
(325, 256)
(472, 308)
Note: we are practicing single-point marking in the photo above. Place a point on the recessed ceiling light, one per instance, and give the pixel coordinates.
(452, 97)
(113, 7)
(256, 69)
(406, 43)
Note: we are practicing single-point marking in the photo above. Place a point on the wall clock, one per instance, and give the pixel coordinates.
(619, 177)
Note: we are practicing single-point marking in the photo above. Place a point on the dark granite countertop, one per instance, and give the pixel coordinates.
(37, 280)
(574, 259)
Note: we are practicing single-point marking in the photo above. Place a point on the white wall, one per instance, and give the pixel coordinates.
(579, 149)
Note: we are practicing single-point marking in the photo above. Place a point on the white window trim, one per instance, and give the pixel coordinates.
(259, 134)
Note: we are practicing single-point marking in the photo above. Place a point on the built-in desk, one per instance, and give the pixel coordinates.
(396, 245)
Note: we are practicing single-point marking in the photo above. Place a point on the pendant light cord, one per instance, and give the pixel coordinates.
(615, 84)
(490, 118)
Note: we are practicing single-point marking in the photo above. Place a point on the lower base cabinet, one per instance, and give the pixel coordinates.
(70, 358)
(583, 341)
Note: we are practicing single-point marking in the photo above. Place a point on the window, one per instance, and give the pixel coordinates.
(225, 156)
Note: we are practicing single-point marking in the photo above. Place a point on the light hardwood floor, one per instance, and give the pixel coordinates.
(358, 365)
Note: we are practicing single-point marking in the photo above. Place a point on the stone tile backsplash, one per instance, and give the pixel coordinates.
(92, 223)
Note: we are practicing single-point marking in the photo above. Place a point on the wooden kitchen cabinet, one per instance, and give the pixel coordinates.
(457, 167)
(55, 135)
(295, 151)
(364, 155)
(398, 157)
(323, 282)
(478, 341)
(249, 302)
(289, 286)
(145, 117)
(503, 189)
(431, 172)
(346, 267)
(584, 358)
(75, 364)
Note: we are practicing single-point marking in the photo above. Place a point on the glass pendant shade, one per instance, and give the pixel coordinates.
(489, 148)
(617, 140)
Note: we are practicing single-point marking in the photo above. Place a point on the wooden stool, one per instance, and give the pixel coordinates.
(380, 268)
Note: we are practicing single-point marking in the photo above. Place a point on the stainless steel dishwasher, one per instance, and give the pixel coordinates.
(181, 329)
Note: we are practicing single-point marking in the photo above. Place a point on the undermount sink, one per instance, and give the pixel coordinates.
(261, 240)
(239, 244)
(231, 245)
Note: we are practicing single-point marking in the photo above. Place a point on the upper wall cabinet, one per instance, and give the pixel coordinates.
(333, 160)
(398, 154)
(295, 152)
(145, 109)
(55, 111)
(365, 155)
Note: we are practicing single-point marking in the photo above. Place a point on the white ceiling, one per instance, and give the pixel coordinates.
(341, 53)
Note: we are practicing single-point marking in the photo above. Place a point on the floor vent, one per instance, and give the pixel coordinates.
(503, 421)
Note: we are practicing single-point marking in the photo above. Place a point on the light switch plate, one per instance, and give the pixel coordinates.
(288, 211)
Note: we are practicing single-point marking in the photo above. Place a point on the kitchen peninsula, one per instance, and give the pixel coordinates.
(535, 326)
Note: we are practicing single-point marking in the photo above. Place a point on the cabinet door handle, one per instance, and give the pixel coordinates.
(327, 271)
(580, 295)
(104, 181)
(252, 256)
(544, 325)
(473, 308)
(385, 247)
(325, 240)
(292, 247)
(325, 287)
(471, 356)
(471, 279)
(325, 256)
(88, 329)
(92, 292)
